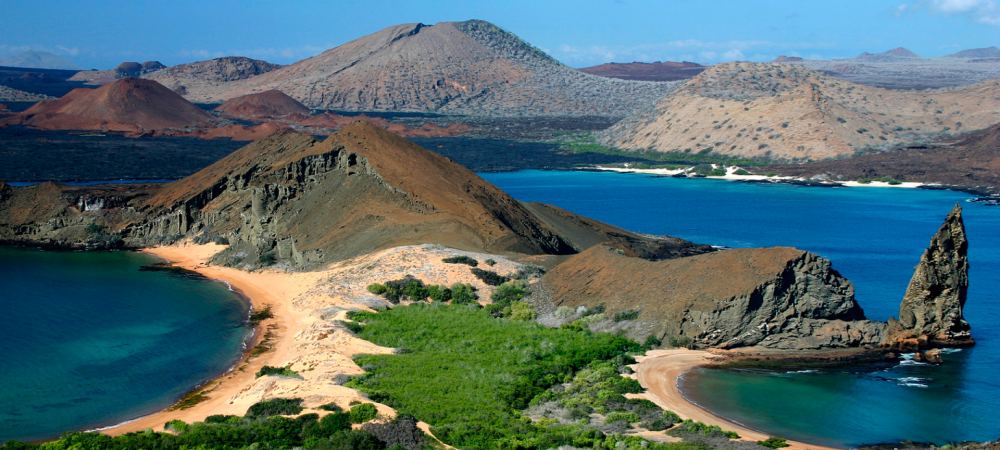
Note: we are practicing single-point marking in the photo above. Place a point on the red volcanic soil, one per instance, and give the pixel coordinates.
(263, 105)
(241, 132)
(130, 105)
(333, 121)
(655, 71)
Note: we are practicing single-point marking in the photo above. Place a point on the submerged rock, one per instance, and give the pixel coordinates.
(931, 312)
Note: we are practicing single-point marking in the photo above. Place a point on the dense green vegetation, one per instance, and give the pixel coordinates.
(276, 407)
(414, 290)
(279, 371)
(489, 277)
(891, 181)
(477, 373)
(691, 427)
(363, 412)
(600, 388)
(462, 259)
(260, 316)
(586, 143)
(774, 442)
(267, 431)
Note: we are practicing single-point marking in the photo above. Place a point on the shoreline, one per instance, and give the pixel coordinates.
(660, 373)
(731, 175)
(221, 387)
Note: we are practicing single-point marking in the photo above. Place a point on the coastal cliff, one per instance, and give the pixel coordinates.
(773, 301)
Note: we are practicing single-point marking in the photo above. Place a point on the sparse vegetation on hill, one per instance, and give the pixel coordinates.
(788, 112)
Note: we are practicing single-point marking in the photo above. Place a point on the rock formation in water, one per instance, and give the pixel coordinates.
(771, 299)
(774, 298)
(931, 312)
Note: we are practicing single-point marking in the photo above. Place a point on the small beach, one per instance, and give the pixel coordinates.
(660, 371)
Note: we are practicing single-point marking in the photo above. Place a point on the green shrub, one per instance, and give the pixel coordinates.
(462, 294)
(665, 420)
(363, 412)
(377, 288)
(741, 172)
(509, 292)
(477, 372)
(489, 277)
(439, 293)
(629, 314)
(275, 407)
(651, 342)
(692, 427)
(491, 262)
(354, 327)
(176, 425)
(279, 371)
(521, 311)
(462, 259)
(332, 407)
(260, 316)
(773, 442)
(620, 416)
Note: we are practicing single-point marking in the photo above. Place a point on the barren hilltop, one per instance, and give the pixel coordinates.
(789, 112)
(471, 67)
(130, 105)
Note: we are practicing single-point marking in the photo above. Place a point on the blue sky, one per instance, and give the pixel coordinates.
(101, 34)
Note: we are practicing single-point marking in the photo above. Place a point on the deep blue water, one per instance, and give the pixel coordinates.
(89, 340)
(875, 237)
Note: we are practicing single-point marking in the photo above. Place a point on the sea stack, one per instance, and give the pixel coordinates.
(931, 312)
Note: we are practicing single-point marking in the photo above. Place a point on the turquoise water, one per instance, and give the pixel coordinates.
(874, 237)
(89, 340)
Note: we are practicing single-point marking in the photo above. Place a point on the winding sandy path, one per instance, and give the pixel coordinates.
(658, 371)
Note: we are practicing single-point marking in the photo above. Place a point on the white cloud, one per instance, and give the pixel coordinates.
(955, 6)
(902, 8)
(686, 50)
(981, 11)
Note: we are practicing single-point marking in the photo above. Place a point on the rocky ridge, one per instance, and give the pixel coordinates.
(772, 301)
(303, 202)
(471, 67)
(788, 112)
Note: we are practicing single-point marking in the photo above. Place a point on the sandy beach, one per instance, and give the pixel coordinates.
(732, 175)
(305, 332)
(658, 371)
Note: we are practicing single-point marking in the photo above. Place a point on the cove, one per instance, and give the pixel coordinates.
(873, 236)
(90, 340)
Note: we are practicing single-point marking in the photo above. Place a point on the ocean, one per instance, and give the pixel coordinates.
(873, 236)
(89, 340)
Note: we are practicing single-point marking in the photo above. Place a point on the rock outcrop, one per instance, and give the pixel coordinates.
(775, 298)
(931, 312)
(789, 112)
(304, 202)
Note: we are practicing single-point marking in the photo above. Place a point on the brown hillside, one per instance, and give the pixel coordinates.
(126, 105)
(263, 105)
(654, 71)
(470, 67)
(363, 188)
(788, 112)
(972, 162)
(772, 297)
